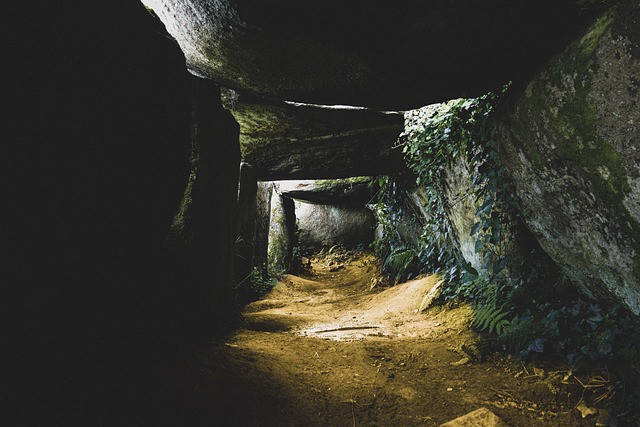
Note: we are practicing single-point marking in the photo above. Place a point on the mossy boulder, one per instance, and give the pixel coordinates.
(284, 140)
(281, 235)
(572, 146)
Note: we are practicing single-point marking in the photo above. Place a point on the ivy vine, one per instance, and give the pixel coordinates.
(500, 284)
(456, 131)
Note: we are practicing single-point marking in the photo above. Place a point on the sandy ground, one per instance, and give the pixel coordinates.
(331, 349)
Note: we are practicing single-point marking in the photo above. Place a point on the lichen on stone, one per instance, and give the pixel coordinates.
(575, 158)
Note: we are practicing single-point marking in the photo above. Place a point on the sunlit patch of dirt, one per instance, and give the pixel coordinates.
(335, 348)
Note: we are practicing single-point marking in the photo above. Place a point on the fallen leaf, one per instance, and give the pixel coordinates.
(585, 411)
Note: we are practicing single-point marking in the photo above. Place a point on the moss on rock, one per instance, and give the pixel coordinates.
(572, 151)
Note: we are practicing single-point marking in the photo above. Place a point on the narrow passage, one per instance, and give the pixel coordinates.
(336, 348)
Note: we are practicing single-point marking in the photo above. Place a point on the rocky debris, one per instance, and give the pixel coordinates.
(431, 295)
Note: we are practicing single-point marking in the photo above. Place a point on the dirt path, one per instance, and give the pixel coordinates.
(327, 349)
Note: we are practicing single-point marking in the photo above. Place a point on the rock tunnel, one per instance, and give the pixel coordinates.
(139, 140)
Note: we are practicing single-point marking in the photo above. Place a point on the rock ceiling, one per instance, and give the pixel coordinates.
(382, 55)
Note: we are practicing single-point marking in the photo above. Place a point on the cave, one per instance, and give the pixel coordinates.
(147, 143)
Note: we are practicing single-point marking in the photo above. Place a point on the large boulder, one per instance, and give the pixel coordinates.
(282, 237)
(262, 222)
(201, 239)
(382, 54)
(95, 159)
(323, 226)
(283, 140)
(356, 191)
(571, 146)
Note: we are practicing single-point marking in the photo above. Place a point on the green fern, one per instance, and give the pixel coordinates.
(400, 261)
(491, 319)
(629, 355)
(521, 334)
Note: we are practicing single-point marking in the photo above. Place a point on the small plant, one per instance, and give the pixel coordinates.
(491, 319)
(259, 283)
(403, 261)
(254, 286)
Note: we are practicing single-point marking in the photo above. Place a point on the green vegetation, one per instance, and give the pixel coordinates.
(435, 138)
(403, 261)
(492, 319)
(500, 287)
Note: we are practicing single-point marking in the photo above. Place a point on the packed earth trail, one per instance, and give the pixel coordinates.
(334, 347)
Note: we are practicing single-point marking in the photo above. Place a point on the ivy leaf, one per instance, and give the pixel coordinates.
(475, 228)
(500, 265)
(486, 206)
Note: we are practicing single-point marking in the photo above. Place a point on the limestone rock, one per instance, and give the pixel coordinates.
(381, 54)
(572, 149)
(462, 214)
(519, 253)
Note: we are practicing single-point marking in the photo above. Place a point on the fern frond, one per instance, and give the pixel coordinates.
(491, 318)
(400, 260)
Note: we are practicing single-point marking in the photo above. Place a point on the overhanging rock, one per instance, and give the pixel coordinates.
(386, 55)
(356, 192)
(297, 141)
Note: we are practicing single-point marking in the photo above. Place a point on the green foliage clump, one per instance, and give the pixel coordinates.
(403, 261)
(457, 131)
(399, 241)
(254, 286)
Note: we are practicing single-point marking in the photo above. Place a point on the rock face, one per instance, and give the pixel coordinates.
(462, 209)
(517, 262)
(287, 141)
(322, 226)
(246, 228)
(95, 159)
(195, 238)
(571, 145)
(261, 232)
(282, 237)
(382, 54)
